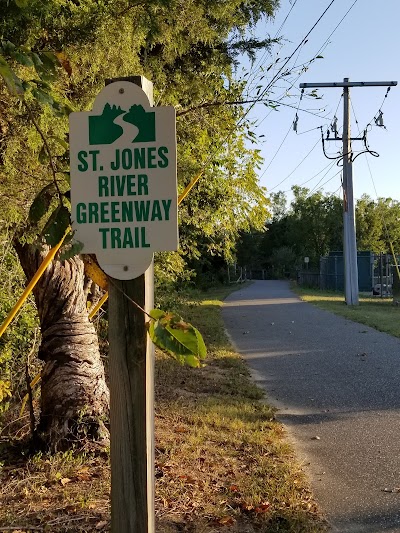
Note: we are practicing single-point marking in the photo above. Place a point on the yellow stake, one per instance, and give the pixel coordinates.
(45, 263)
(187, 190)
(99, 304)
(97, 307)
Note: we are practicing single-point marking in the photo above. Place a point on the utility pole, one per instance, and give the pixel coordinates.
(349, 226)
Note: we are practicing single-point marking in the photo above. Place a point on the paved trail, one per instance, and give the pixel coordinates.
(332, 379)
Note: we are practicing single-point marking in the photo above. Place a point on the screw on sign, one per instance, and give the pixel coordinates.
(123, 180)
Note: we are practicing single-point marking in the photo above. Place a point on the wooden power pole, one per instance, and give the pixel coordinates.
(349, 226)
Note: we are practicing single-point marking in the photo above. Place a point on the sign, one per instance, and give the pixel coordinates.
(123, 180)
(306, 259)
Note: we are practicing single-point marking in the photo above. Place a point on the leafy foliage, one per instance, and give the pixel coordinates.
(16, 342)
(55, 56)
(378, 224)
(173, 335)
(63, 52)
(312, 226)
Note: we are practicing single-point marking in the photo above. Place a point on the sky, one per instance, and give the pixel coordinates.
(363, 48)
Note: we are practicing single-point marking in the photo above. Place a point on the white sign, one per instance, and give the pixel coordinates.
(123, 180)
(306, 259)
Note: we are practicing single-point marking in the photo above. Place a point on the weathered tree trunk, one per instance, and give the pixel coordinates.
(75, 397)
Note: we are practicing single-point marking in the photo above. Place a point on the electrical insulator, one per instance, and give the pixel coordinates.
(295, 123)
(334, 126)
(379, 119)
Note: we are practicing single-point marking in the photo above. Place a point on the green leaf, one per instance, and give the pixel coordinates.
(48, 66)
(13, 83)
(42, 97)
(42, 84)
(43, 156)
(23, 59)
(201, 346)
(67, 176)
(193, 361)
(8, 47)
(22, 3)
(157, 313)
(56, 226)
(180, 339)
(37, 61)
(41, 203)
(60, 141)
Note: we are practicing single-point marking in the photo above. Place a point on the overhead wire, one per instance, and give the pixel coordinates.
(284, 139)
(265, 53)
(302, 42)
(269, 85)
(379, 109)
(325, 182)
(326, 43)
(338, 189)
(293, 171)
(299, 47)
(330, 165)
(321, 49)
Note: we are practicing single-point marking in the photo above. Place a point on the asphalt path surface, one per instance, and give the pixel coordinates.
(336, 386)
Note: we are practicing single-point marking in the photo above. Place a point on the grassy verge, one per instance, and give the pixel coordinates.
(222, 462)
(378, 313)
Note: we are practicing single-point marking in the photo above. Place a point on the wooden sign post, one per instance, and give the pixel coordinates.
(123, 208)
(131, 406)
(131, 364)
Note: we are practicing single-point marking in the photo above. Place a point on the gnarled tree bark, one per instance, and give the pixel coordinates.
(75, 397)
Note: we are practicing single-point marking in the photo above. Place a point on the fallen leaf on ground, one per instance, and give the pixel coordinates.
(226, 521)
(263, 508)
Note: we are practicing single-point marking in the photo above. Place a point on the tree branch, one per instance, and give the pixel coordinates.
(47, 147)
(239, 102)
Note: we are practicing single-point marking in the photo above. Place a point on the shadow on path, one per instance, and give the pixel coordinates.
(336, 385)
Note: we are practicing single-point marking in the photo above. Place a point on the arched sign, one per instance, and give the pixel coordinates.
(123, 180)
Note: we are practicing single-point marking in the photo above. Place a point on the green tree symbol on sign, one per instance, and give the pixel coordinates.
(103, 128)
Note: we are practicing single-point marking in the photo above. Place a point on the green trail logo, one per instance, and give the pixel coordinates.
(136, 125)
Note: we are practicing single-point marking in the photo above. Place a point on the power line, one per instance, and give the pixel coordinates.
(265, 53)
(337, 190)
(292, 83)
(336, 27)
(288, 176)
(373, 183)
(277, 152)
(325, 182)
(283, 23)
(330, 165)
(269, 85)
(325, 44)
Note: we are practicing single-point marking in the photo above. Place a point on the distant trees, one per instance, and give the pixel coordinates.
(312, 226)
(378, 224)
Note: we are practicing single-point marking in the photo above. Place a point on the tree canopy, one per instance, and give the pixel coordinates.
(188, 50)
